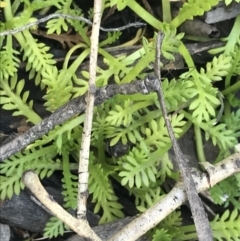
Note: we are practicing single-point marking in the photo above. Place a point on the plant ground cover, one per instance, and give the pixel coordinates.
(129, 143)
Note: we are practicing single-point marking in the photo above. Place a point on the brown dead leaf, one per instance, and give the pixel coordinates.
(23, 129)
(21, 126)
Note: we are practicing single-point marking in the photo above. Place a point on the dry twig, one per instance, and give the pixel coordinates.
(86, 136)
(177, 197)
(72, 108)
(81, 227)
(200, 218)
(152, 216)
(60, 15)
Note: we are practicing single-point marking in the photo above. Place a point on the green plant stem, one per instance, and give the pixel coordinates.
(58, 166)
(233, 38)
(166, 11)
(15, 6)
(228, 80)
(44, 11)
(70, 52)
(199, 144)
(140, 66)
(70, 125)
(20, 39)
(8, 10)
(140, 105)
(187, 57)
(229, 48)
(1, 42)
(101, 146)
(198, 136)
(113, 61)
(199, 38)
(232, 88)
(138, 97)
(227, 109)
(188, 228)
(189, 232)
(142, 13)
(75, 65)
(8, 14)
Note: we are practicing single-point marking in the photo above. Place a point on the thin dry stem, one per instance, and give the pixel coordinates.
(86, 137)
(81, 227)
(199, 215)
(60, 15)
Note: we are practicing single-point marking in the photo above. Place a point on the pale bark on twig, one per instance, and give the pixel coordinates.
(81, 227)
(83, 173)
(154, 215)
(105, 231)
(177, 196)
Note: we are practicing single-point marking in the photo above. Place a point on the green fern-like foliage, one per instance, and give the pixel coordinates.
(103, 194)
(111, 38)
(59, 24)
(206, 101)
(122, 115)
(37, 55)
(226, 227)
(233, 123)
(8, 61)
(139, 167)
(169, 229)
(41, 161)
(11, 98)
(161, 234)
(137, 170)
(222, 136)
(70, 184)
(59, 87)
(226, 192)
(146, 197)
(218, 68)
(134, 120)
(177, 92)
(54, 228)
(192, 8)
(79, 26)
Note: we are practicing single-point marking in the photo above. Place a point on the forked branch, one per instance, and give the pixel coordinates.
(177, 197)
(152, 216)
